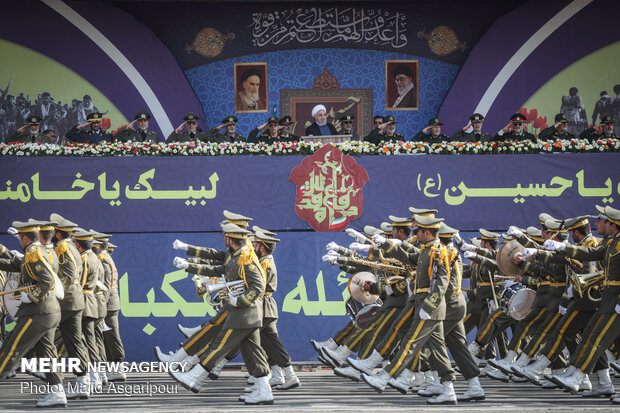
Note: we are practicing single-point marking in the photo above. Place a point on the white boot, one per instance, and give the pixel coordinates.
(486, 370)
(178, 355)
(56, 398)
(474, 393)
(81, 389)
(418, 379)
(533, 372)
(572, 382)
(510, 358)
(290, 379)
(330, 344)
(95, 381)
(217, 370)
(277, 376)
(447, 396)
(366, 365)
(497, 374)
(545, 383)
(435, 389)
(262, 394)
(348, 373)
(429, 379)
(611, 357)
(117, 375)
(522, 361)
(188, 363)
(193, 379)
(604, 387)
(474, 349)
(337, 356)
(188, 331)
(402, 382)
(377, 381)
(103, 378)
(585, 384)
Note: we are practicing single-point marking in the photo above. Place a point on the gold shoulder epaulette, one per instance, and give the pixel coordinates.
(265, 264)
(101, 256)
(33, 254)
(61, 248)
(245, 257)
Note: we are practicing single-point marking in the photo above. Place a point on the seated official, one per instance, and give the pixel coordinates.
(229, 135)
(268, 132)
(90, 132)
(473, 131)
(603, 131)
(141, 134)
(558, 130)
(285, 129)
(386, 131)
(192, 132)
(432, 133)
(30, 132)
(517, 133)
(346, 127)
(320, 127)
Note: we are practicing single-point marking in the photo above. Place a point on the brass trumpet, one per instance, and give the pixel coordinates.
(219, 292)
(584, 283)
(26, 288)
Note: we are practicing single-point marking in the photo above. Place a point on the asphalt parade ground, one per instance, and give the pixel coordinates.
(320, 391)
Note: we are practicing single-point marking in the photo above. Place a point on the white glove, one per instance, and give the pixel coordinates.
(424, 315)
(359, 247)
(529, 252)
(457, 238)
(379, 239)
(180, 263)
(467, 247)
(356, 235)
(179, 245)
(514, 232)
(396, 242)
(12, 231)
(332, 246)
(570, 292)
(232, 299)
(18, 254)
(409, 287)
(552, 245)
(331, 258)
(388, 290)
(561, 310)
(24, 298)
(469, 254)
(617, 308)
(491, 306)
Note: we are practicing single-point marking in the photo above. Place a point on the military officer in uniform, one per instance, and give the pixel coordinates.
(475, 134)
(268, 132)
(603, 131)
(229, 135)
(386, 131)
(38, 314)
(558, 130)
(432, 133)
(285, 129)
(30, 132)
(346, 127)
(90, 132)
(192, 132)
(515, 130)
(142, 134)
(243, 322)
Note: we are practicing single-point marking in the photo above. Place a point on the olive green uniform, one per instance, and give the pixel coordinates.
(90, 275)
(112, 338)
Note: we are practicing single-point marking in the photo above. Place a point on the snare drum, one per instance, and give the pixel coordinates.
(517, 301)
(9, 302)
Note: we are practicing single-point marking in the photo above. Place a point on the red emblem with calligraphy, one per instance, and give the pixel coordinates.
(329, 189)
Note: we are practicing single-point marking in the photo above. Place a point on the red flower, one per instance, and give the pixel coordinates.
(532, 115)
(523, 111)
(135, 150)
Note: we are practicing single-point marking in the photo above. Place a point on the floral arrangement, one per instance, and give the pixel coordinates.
(305, 148)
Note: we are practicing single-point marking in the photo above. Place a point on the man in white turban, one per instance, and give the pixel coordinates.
(320, 126)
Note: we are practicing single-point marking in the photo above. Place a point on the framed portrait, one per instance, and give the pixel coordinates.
(298, 103)
(402, 85)
(251, 87)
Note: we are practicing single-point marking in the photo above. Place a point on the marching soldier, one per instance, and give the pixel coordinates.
(38, 314)
(142, 134)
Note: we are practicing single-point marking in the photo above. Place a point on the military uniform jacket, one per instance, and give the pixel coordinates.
(90, 275)
(376, 137)
(456, 307)
(609, 255)
(512, 136)
(28, 138)
(423, 137)
(105, 277)
(551, 275)
(552, 133)
(213, 136)
(591, 135)
(462, 136)
(88, 135)
(406, 253)
(431, 285)
(256, 136)
(186, 137)
(36, 269)
(270, 307)
(114, 303)
(70, 274)
(354, 135)
(483, 275)
(243, 264)
(130, 134)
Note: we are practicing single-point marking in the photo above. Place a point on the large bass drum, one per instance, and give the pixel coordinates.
(9, 302)
(517, 300)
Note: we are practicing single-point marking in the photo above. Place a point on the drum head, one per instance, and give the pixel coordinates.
(521, 303)
(505, 258)
(366, 315)
(355, 287)
(11, 305)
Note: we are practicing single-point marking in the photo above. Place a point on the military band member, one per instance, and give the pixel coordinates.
(229, 123)
(243, 323)
(141, 134)
(192, 132)
(472, 132)
(515, 130)
(38, 315)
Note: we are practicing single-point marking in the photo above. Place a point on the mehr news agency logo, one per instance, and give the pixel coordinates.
(72, 365)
